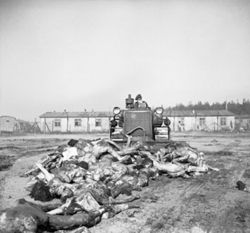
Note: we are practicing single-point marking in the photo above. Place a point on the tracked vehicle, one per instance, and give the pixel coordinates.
(139, 123)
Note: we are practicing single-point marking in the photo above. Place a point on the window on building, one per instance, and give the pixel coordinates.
(182, 120)
(202, 121)
(78, 122)
(181, 124)
(98, 122)
(57, 123)
(223, 121)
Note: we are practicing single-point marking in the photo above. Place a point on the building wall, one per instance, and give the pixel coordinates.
(91, 124)
(230, 123)
(99, 124)
(208, 123)
(200, 123)
(9, 124)
(48, 125)
(182, 123)
(242, 123)
(72, 127)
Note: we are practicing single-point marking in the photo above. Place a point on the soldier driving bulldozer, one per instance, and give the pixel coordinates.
(140, 103)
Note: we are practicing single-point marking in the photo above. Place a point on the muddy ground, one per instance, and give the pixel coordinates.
(208, 203)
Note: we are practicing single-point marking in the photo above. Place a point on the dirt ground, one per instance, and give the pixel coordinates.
(207, 203)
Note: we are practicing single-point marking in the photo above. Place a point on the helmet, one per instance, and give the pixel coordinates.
(138, 97)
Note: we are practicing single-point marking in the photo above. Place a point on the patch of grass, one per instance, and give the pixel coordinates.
(159, 222)
(6, 162)
(246, 173)
(219, 153)
(155, 224)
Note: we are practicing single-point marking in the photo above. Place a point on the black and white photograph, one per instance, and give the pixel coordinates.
(124, 116)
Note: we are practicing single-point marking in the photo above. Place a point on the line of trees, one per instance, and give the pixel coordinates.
(232, 106)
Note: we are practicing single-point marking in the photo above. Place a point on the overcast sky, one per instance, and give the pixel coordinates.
(76, 54)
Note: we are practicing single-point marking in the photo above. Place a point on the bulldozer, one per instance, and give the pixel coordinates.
(135, 123)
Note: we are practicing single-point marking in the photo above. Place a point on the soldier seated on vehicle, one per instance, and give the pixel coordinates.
(140, 103)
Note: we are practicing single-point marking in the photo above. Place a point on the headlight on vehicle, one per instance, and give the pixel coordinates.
(116, 110)
(159, 110)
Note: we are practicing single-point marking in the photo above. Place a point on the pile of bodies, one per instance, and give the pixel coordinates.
(94, 180)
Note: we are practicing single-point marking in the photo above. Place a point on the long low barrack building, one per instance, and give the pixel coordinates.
(201, 120)
(74, 122)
